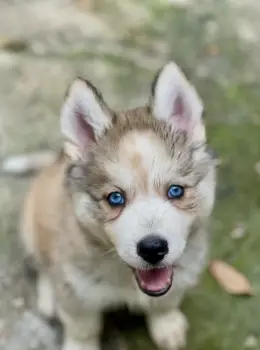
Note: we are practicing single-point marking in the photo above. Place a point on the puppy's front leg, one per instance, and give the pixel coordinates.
(168, 329)
(72, 344)
(81, 333)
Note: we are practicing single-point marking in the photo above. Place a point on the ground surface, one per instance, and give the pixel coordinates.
(44, 44)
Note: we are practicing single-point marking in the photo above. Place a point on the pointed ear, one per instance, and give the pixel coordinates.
(84, 115)
(176, 101)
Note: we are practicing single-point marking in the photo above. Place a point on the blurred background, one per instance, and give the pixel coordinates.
(119, 45)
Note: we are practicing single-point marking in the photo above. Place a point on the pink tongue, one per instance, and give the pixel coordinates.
(155, 279)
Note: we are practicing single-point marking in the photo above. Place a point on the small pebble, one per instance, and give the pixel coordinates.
(251, 342)
(238, 232)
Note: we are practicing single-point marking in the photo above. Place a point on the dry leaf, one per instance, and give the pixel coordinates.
(233, 281)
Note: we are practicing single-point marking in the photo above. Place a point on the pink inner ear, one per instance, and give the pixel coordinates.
(178, 108)
(84, 131)
(181, 114)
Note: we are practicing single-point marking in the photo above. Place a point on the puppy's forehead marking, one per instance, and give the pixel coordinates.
(136, 160)
(140, 153)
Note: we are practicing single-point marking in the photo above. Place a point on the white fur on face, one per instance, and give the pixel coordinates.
(144, 171)
(146, 216)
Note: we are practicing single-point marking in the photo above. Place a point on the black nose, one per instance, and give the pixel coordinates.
(152, 249)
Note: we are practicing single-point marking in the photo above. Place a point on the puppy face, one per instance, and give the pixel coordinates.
(145, 178)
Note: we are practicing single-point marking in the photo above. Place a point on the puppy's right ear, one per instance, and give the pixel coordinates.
(175, 101)
(84, 115)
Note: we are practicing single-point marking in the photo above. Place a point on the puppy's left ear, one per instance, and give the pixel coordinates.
(84, 116)
(176, 101)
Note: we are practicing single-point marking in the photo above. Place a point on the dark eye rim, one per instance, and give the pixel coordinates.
(177, 197)
(113, 204)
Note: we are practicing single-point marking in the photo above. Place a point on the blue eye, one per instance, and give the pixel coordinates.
(175, 192)
(116, 199)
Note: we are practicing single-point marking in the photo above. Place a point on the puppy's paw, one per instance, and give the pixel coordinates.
(45, 297)
(169, 331)
(71, 344)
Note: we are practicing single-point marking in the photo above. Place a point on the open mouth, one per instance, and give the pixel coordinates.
(155, 282)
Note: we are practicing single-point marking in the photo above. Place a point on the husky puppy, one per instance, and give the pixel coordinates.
(122, 219)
